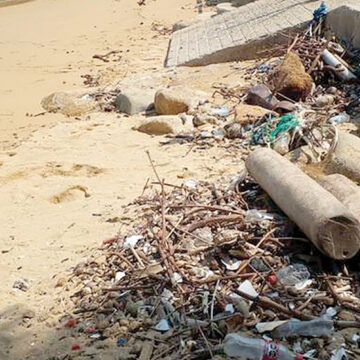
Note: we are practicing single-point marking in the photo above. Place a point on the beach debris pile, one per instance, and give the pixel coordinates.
(203, 261)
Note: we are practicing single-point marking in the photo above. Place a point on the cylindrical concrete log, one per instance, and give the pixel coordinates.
(345, 159)
(331, 227)
(345, 190)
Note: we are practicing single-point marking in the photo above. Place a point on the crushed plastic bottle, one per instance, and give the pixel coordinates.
(281, 144)
(313, 328)
(238, 345)
(293, 275)
(340, 119)
(255, 215)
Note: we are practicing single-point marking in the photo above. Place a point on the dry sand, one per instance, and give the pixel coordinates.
(65, 181)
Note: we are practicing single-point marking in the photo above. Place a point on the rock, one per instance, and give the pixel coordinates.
(176, 100)
(234, 131)
(346, 315)
(224, 7)
(332, 90)
(261, 95)
(161, 125)
(71, 103)
(324, 100)
(291, 78)
(283, 107)
(204, 118)
(134, 101)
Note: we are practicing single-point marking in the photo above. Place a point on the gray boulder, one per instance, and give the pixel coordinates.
(134, 101)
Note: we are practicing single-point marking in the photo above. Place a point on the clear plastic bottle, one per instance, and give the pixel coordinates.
(315, 328)
(238, 345)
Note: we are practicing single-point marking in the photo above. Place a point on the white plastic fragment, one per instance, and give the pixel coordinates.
(247, 288)
(330, 313)
(339, 354)
(269, 326)
(163, 325)
(229, 308)
(176, 278)
(231, 264)
(119, 275)
(131, 241)
(190, 183)
(303, 284)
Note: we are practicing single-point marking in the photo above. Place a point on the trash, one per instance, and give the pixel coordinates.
(247, 288)
(76, 347)
(321, 11)
(162, 325)
(255, 215)
(231, 264)
(318, 213)
(296, 328)
(338, 66)
(282, 143)
(340, 119)
(293, 275)
(70, 323)
(261, 95)
(269, 326)
(330, 313)
(190, 183)
(339, 354)
(272, 279)
(131, 241)
(119, 275)
(22, 284)
(291, 79)
(121, 341)
(229, 308)
(222, 111)
(238, 345)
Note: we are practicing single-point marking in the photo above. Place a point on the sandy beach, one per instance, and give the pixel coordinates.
(65, 181)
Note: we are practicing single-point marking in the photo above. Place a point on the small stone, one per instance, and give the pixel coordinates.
(71, 103)
(161, 125)
(204, 118)
(134, 101)
(332, 90)
(261, 95)
(324, 100)
(176, 100)
(259, 265)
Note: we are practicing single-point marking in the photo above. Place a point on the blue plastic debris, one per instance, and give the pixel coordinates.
(121, 341)
(320, 11)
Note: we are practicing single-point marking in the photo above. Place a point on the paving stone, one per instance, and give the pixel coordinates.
(240, 34)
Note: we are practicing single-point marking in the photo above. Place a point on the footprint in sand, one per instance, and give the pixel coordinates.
(52, 169)
(70, 194)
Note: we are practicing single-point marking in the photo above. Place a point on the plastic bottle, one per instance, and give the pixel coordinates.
(255, 215)
(237, 345)
(315, 328)
(340, 119)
